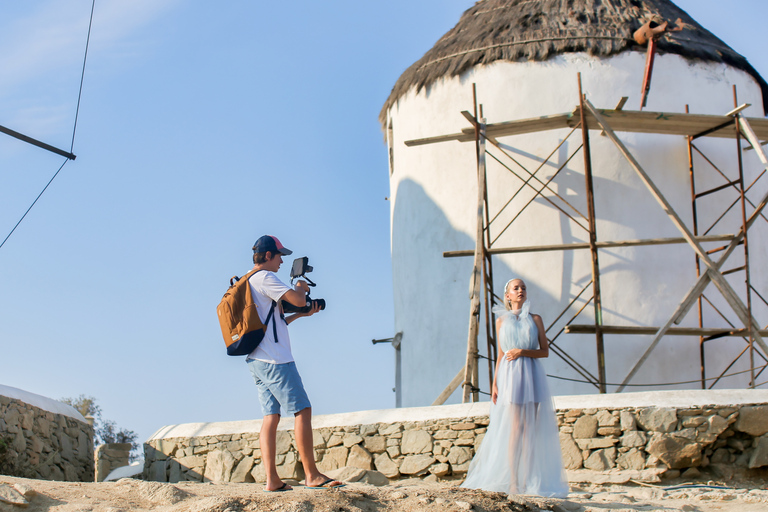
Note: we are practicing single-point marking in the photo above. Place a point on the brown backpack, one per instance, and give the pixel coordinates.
(241, 326)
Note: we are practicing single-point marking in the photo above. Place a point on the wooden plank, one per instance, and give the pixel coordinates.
(448, 391)
(672, 331)
(585, 245)
(667, 123)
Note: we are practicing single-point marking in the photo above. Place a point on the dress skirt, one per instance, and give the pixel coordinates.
(520, 453)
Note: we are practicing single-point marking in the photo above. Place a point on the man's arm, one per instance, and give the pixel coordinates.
(298, 295)
(291, 318)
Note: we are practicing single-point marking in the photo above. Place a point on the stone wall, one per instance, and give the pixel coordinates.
(44, 444)
(641, 436)
(109, 457)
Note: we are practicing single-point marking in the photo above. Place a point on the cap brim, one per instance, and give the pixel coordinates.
(285, 252)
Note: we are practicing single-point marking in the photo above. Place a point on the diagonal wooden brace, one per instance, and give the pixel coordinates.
(713, 270)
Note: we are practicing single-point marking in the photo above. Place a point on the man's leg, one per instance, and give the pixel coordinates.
(302, 429)
(268, 443)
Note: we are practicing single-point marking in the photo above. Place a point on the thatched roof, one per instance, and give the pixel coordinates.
(518, 30)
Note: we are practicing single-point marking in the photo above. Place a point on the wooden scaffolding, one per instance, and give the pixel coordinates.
(708, 263)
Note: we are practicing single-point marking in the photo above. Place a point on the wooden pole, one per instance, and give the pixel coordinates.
(598, 303)
(471, 367)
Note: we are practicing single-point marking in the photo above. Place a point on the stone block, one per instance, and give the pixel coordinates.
(242, 472)
(347, 474)
(596, 443)
(572, 458)
(752, 420)
(759, 456)
(601, 460)
(416, 441)
(218, 466)
(386, 466)
(606, 419)
(334, 458)
(446, 434)
(585, 427)
(459, 455)
(157, 471)
(415, 464)
(258, 473)
(351, 440)
(359, 457)
(632, 459)
(389, 430)
(11, 496)
(291, 470)
(633, 439)
(282, 442)
(335, 440)
(609, 431)
(375, 444)
(374, 478)
(318, 441)
(657, 419)
(675, 452)
(721, 456)
(693, 421)
(463, 426)
(440, 470)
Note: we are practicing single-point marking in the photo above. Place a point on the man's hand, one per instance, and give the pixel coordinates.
(302, 285)
(315, 309)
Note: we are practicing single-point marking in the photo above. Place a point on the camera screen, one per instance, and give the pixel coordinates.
(300, 267)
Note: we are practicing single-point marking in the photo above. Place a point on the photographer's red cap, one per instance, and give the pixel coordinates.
(271, 244)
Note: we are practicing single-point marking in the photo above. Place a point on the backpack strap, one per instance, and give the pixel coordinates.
(274, 323)
(271, 309)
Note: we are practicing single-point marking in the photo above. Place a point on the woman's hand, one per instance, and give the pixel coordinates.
(513, 353)
(494, 392)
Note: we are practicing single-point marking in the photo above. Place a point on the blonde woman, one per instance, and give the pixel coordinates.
(520, 453)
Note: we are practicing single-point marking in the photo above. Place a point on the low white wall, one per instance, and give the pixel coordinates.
(603, 437)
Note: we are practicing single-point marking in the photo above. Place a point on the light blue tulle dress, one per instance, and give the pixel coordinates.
(520, 453)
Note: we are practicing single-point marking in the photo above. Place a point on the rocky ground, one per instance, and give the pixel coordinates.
(408, 496)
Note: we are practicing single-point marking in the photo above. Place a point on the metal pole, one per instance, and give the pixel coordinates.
(592, 243)
(694, 211)
(746, 248)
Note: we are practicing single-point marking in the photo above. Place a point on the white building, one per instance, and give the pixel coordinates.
(524, 58)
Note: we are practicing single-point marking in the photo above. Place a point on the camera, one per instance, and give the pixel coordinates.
(299, 269)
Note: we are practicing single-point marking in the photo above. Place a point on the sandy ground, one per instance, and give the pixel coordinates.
(408, 496)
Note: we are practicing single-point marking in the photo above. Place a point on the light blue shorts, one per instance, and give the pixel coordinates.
(279, 385)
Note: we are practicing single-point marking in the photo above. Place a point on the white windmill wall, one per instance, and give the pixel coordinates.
(433, 205)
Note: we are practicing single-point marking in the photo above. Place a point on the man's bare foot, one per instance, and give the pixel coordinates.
(278, 488)
(323, 482)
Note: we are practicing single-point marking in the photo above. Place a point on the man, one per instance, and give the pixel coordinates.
(274, 370)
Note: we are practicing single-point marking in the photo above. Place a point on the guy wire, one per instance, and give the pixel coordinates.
(74, 129)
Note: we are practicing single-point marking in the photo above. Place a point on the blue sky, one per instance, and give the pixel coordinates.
(202, 126)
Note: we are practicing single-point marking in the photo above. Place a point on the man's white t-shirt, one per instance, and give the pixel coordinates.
(266, 287)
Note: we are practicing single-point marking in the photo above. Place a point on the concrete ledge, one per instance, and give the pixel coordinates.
(677, 398)
(42, 402)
